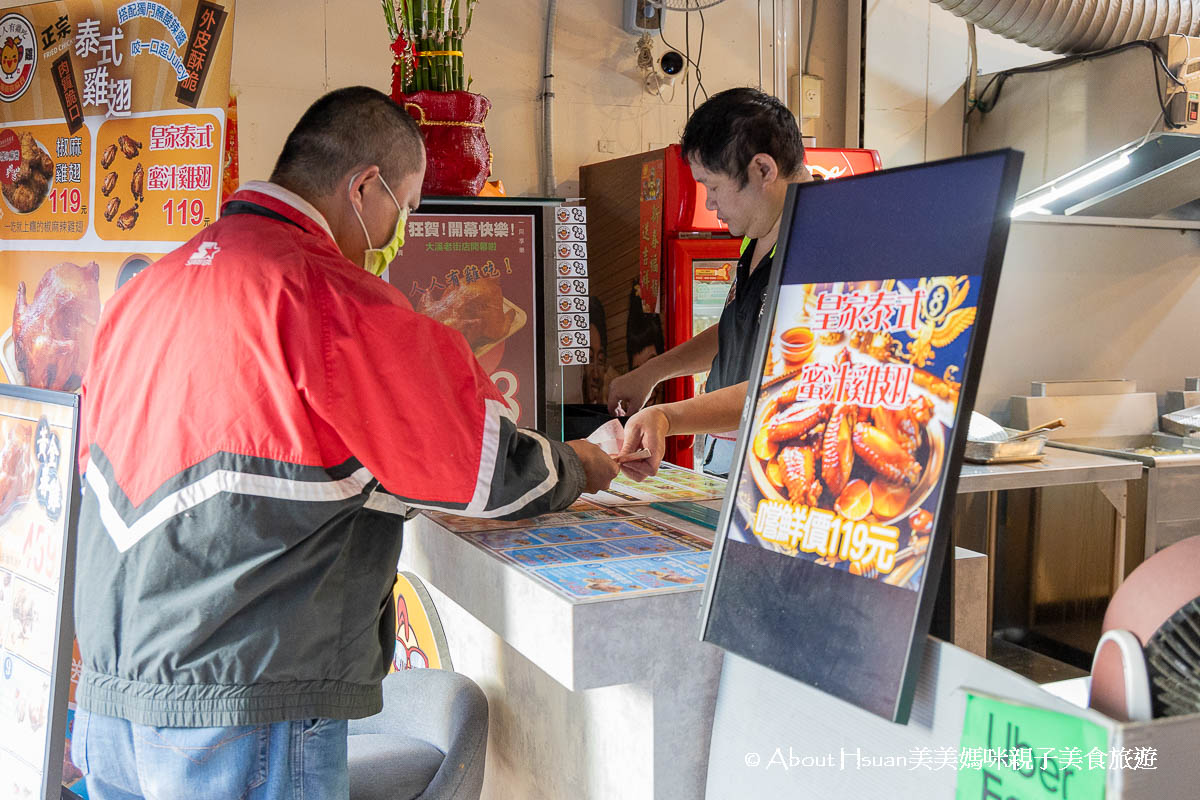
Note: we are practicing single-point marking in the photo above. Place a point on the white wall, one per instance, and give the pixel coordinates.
(286, 54)
(1078, 302)
(915, 68)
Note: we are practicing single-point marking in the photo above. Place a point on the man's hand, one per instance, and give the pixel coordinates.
(646, 430)
(628, 392)
(598, 466)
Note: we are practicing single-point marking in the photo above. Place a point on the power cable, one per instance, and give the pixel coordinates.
(984, 106)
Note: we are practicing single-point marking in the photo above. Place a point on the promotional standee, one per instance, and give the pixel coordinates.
(38, 504)
(483, 266)
(833, 536)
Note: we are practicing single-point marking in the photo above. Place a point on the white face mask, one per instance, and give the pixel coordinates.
(376, 260)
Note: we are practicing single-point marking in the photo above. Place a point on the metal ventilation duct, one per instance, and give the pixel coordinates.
(1079, 26)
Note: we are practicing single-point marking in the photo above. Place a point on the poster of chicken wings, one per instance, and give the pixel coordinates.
(476, 273)
(37, 484)
(112, 139)
(832, 540)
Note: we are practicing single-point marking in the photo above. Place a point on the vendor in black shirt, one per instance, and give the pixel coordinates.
(744, 147)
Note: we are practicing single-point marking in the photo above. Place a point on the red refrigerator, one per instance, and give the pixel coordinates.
(651, 233)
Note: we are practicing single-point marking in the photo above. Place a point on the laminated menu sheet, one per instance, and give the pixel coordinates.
(579, 511)
(603, 559)
(672, 483)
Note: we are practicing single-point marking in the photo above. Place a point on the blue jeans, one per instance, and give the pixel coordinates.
(301, 760)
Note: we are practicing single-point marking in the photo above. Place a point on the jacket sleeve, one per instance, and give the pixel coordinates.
(410, 402)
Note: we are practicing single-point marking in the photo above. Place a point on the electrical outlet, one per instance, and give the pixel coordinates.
(810, 90)
(640, 16)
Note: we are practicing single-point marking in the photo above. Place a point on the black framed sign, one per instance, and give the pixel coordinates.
(836, 525)
(39, 492)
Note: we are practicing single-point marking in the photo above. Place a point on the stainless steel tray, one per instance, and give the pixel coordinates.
(1182, 423)
(1005, 452)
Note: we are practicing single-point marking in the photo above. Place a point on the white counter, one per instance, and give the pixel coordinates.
(609, 698)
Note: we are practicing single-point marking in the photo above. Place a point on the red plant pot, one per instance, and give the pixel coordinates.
(458, 158)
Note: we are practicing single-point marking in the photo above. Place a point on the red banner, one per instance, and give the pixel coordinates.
(650, 259)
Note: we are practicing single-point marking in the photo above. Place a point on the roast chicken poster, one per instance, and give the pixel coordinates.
(36, 461)
(476, 273)
(112, 134)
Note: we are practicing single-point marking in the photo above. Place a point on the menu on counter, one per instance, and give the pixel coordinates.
(671, 484)
(37, 447)
(832, 540)
(112, 135)
(596, 560)
(579, 511)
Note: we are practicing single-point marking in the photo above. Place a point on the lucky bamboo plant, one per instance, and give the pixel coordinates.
(428, 36)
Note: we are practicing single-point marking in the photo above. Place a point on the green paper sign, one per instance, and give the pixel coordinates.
(1015, 752)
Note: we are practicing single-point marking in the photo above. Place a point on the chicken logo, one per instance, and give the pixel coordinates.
(18, 56)
(10, 56)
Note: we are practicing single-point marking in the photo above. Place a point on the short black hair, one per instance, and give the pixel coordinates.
(729, 128)
(345, 129)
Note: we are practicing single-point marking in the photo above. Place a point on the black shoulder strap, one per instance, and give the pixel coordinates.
(246, 207)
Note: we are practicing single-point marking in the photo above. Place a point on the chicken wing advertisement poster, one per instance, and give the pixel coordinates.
(851, 439)
(112, 132)
(37, 444)
(476, 273)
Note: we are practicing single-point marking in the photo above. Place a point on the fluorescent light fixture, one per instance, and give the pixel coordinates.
(1086, 178)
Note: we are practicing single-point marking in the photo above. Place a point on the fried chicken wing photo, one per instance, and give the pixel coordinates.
(137, 184)
(17, 466)
(128, 219)
(53, 332)
(129, 146)
(110, 153)
(112, 208)
(476, 310)
(110, 183)
(30, 158)
(31, 182)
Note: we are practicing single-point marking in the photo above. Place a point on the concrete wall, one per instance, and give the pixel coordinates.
(1080, 302)
(916, 64)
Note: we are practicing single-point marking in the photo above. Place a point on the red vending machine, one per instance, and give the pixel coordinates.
(651, 233)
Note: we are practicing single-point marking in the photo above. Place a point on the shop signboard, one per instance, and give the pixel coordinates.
(834, 531)
(478, 273)
(38, 506)
(112, 150)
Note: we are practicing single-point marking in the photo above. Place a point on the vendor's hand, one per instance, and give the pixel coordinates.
(627, 393)
(598, 466)
(647, 430)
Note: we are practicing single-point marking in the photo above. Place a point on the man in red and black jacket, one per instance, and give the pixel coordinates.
(259, 415)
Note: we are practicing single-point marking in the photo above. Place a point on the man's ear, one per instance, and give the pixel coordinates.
(763, 170)
(359, 178)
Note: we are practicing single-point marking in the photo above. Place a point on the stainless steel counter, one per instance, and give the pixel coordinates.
(1059, 467)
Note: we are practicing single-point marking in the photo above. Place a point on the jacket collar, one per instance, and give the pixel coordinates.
(286, 202)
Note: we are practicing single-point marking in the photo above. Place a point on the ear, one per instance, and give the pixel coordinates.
(763, 170)
(359, 178)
